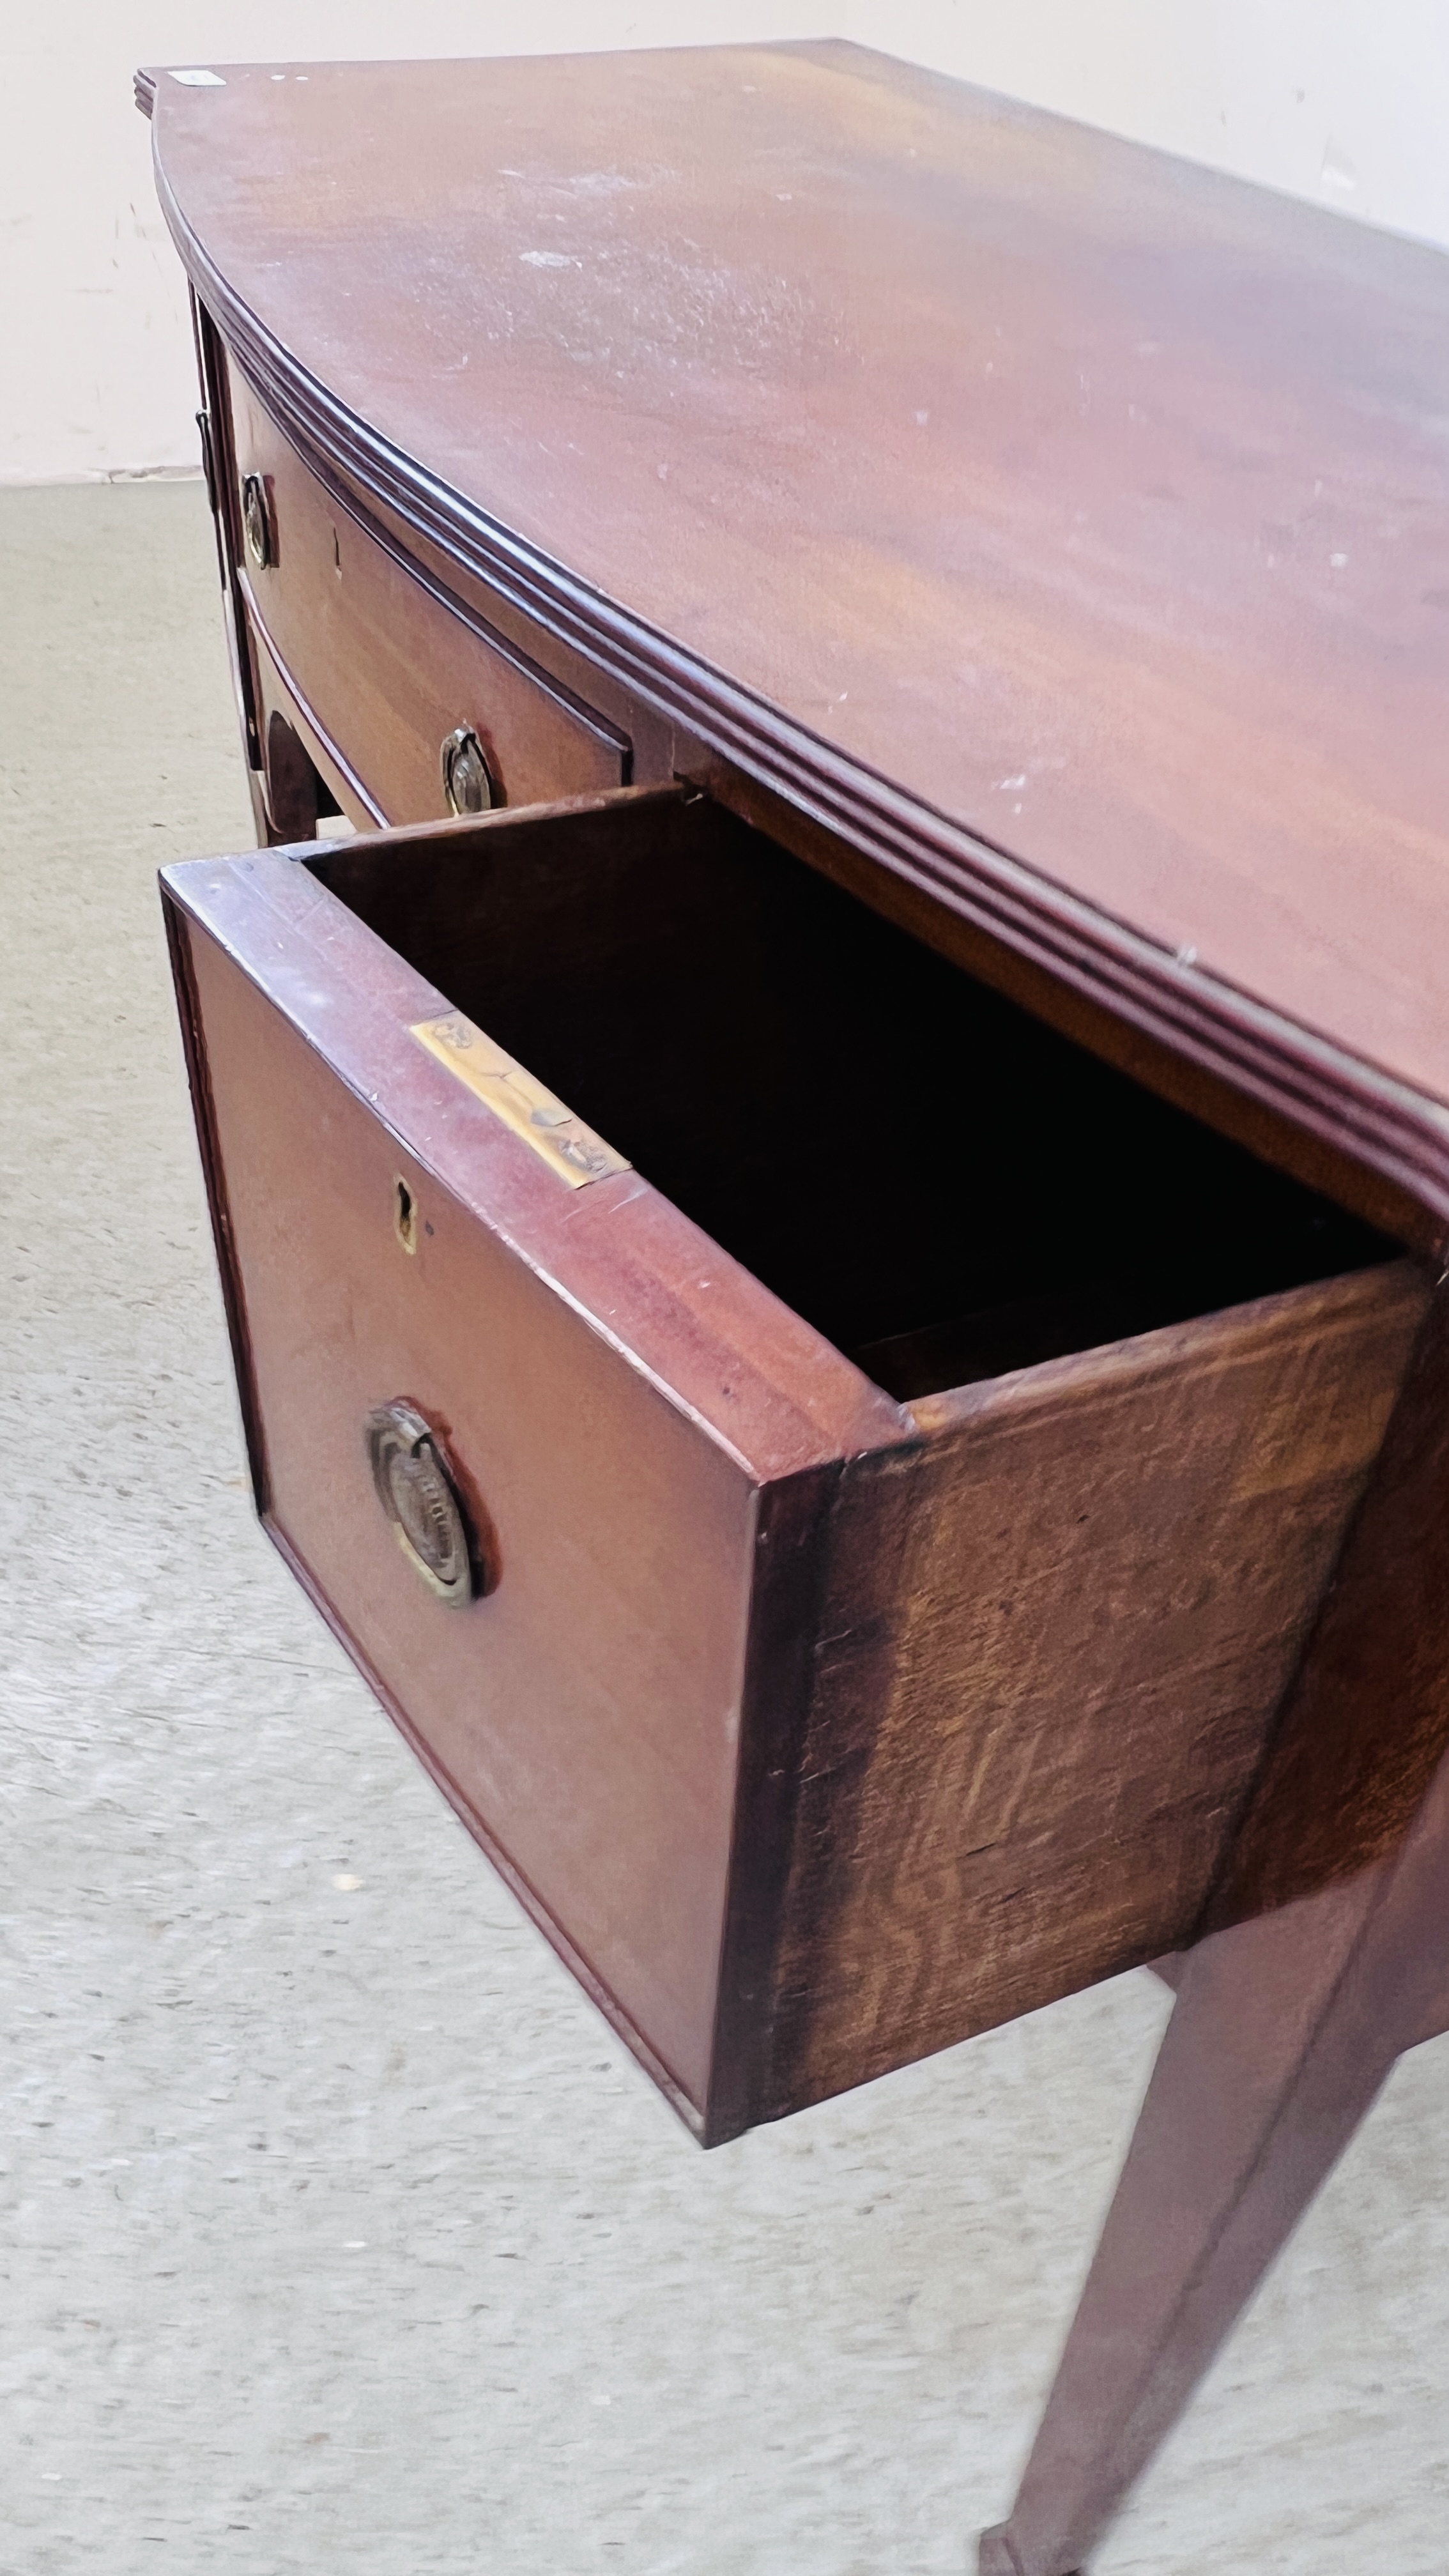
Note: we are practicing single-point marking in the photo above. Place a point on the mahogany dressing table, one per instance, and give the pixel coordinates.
(832, 1210)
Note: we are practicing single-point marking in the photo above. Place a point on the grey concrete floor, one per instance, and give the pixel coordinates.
(338, 2231)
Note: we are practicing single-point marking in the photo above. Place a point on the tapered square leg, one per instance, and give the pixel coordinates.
(996, 2556)
(1283, 2032)
(1286, 2024)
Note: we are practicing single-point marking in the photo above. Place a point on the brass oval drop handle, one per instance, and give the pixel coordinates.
(416, 1487)
(257, 521)
(468, 782)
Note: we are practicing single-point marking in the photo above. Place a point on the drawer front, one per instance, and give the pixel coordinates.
(614, 1404)
(585, 1711)
(384, 666)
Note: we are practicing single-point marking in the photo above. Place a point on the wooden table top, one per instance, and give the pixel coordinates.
(1066, 524)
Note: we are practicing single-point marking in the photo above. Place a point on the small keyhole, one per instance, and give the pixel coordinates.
(336, 554)
(405, 1217)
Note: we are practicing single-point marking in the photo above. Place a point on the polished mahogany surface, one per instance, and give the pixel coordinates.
(911, 1594)
(831, 1704)
(1066, 525)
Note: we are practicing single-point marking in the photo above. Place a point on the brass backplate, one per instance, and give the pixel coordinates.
(557, 1137)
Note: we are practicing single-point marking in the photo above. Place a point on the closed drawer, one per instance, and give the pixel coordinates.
(837, 1504)
(384, 665)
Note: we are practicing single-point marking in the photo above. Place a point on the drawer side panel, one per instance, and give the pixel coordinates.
(1020, 1777)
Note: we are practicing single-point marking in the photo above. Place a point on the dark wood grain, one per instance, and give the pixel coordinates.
(900, 402)
(821, 1731)
(1364, 1725)
(279, 697)
(1278, 2046)
(389, 663)
(1095, 1578)
(580, 1712)
(950, 1543)
(1286, 2023)
(223, 491)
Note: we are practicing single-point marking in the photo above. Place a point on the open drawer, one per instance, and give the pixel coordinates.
(831, 1478)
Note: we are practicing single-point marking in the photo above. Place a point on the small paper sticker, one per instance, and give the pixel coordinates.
(199, 80)
(557, 1137)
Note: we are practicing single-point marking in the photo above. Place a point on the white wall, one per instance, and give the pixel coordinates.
(1345, 102)
(1342, 101)
(98, 377)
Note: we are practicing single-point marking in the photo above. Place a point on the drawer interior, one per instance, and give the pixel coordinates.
(943, 1186)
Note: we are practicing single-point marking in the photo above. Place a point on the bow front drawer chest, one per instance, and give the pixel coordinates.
(826, 1102)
